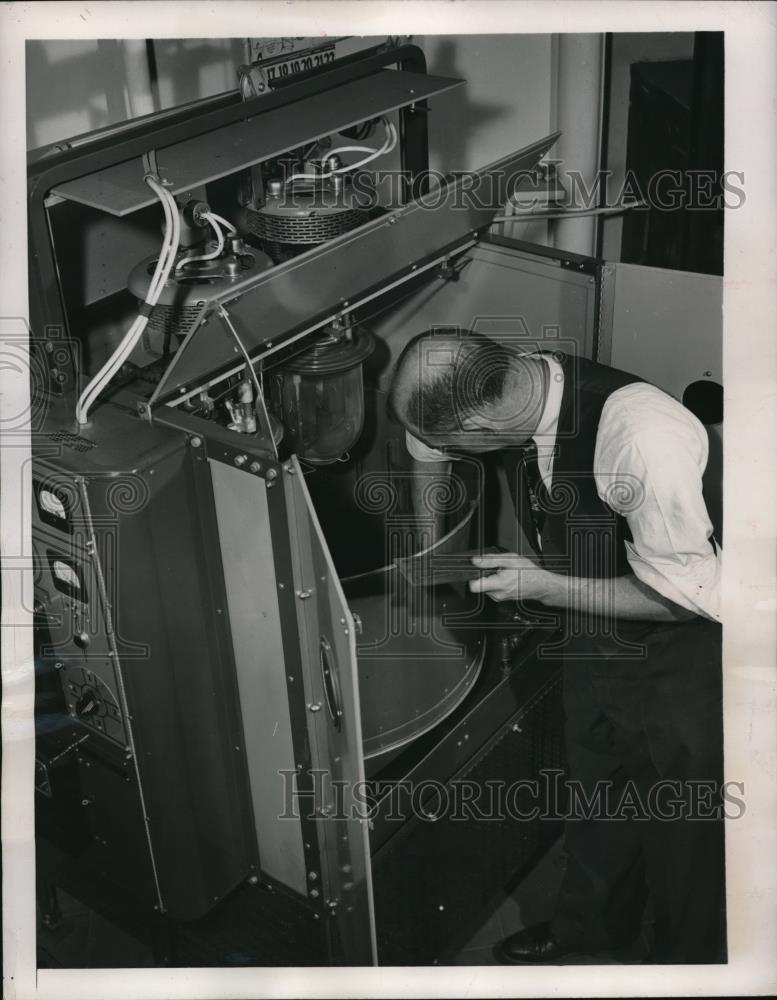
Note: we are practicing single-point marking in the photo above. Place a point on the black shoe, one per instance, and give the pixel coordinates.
(532, 945)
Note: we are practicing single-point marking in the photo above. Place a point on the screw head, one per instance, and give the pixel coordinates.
(255, 467)
(272, 474)
(240, 460)
(195, 442)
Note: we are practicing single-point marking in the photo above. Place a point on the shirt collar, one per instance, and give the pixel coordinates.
(548, 425)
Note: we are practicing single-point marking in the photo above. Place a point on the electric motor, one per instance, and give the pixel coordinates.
(299, 215)
(190, 287)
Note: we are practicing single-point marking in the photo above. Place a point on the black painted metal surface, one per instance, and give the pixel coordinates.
(434, 878)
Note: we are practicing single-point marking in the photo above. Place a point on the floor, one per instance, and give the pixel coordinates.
(84, 939)
(530, 903)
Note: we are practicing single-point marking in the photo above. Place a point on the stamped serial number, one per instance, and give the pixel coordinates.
(289, 67)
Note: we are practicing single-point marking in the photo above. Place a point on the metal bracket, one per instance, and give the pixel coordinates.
(451, 270)
(253, 78)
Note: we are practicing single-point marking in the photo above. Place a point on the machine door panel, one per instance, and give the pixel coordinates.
(501, 290)
(663, 325)
(334, 729)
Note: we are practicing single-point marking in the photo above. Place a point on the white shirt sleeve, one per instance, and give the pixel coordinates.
(423, 452)
(650, 455)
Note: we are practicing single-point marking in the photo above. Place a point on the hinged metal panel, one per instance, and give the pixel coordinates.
(663, 325)
(344, 886)
(291, 299)
(242, 513)
(121, 189)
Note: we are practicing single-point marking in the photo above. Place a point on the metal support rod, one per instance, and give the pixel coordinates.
(578, 94)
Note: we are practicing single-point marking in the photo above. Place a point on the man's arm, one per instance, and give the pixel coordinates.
(518, 578)
(650, 457)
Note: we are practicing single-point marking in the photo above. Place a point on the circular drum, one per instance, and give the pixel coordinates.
(419, 644)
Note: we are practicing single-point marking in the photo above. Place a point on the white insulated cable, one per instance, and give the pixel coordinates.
(212, 254)
(388, 145)
(167, 250)
(161, 274)
(224, 222)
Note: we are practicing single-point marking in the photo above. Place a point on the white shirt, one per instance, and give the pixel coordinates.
(649, 459)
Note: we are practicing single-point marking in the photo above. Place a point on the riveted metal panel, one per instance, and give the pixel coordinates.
(334, 725)
(257, 642)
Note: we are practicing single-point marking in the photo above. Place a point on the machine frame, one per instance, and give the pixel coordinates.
(223, 542)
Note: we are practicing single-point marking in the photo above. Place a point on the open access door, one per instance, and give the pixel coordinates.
(330, 678)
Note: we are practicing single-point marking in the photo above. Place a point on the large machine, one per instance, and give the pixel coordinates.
(254, 722)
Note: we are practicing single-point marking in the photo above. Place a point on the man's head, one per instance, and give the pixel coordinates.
(462, 390)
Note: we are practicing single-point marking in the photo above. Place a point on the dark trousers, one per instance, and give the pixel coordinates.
(644, 737)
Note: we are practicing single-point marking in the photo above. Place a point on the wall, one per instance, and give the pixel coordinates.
(63, 96)
(628, 48)
(505, 105)
(75, 86)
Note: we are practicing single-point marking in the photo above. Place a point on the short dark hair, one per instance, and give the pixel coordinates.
(442, 399)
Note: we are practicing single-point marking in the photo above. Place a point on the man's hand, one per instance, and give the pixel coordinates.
(517, 578)
(514, 578)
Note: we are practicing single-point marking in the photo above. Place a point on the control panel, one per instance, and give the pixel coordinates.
(68, 597)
